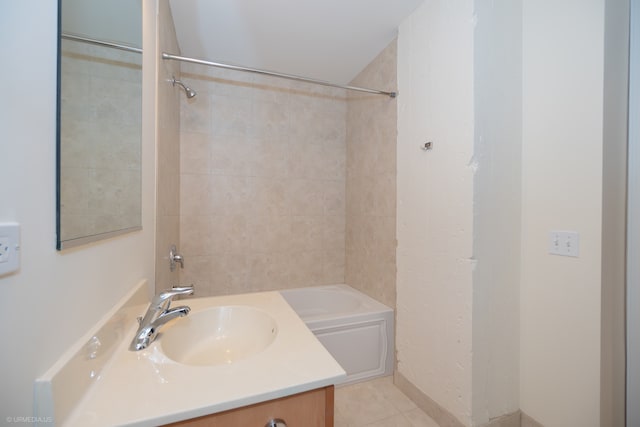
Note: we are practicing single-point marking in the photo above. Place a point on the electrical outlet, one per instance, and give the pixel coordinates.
(9, 248)
(564, 243)
(5, 253)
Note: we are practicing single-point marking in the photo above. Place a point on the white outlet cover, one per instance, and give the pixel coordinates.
(9, 247)
(5, 253)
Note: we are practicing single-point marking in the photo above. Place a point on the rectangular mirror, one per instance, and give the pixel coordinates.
(99, 120)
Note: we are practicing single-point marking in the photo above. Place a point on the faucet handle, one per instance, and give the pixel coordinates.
(182, 290)
(163, 298)
(175, 257)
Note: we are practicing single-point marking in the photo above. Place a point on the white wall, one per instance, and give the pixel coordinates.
(535, 319)
(55, 297)
(435, 202)
(460, 81)
(561, 190)
(497, 189)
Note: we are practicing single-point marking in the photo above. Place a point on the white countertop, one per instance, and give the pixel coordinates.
(145, 388)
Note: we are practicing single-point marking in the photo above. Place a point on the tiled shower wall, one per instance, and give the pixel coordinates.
(262, 183)
(371, 182)
(168, 154)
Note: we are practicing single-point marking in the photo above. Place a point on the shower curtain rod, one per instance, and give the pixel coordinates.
(274, 74)
(97, 42)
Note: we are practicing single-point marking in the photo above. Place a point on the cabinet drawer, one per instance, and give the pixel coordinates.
(310, 409)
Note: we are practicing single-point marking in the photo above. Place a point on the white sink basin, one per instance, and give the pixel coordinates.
(218, 335)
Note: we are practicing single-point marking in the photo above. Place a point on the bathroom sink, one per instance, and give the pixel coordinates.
(218, 335)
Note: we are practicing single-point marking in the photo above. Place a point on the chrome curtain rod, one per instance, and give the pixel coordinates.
(96, 42)
(274, 74)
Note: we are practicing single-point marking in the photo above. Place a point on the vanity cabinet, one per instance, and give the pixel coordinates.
(309, 409)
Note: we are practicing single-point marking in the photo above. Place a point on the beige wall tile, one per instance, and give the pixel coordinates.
(334, 194)
(262, 188)
(230, 234)
(305, 235)
(195, 113)
(197, 272)
(268, 163)
(371, 183)
(195, 153)
(267, 271)
(194, 194)
(333, 266)
(269, 233)
(229, 274)
(333, 232)
(196, 235)
(306, 196)
(305, 268)
(269, 196)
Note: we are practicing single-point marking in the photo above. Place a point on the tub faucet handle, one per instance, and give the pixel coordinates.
(174, 258)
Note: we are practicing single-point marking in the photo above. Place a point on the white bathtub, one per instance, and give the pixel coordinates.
(356, 329)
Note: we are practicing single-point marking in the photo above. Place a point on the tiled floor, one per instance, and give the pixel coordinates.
(377, 403)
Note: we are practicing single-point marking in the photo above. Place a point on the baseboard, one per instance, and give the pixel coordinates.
(439, 414)
(509, 420)
(445, 418)
(527, 421)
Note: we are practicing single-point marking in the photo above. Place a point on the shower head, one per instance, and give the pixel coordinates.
(190, 92)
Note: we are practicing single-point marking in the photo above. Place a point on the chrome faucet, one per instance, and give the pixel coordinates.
(159, 313)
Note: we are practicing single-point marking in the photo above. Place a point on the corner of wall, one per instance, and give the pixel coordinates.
(167, 128)
(497, 162)
(370, 264)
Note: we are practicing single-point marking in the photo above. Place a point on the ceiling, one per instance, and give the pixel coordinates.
(330, 40)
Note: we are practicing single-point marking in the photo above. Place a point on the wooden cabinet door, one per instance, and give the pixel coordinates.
(310, 409)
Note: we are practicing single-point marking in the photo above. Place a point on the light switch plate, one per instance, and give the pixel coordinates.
(9, 247)
(564, 243)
